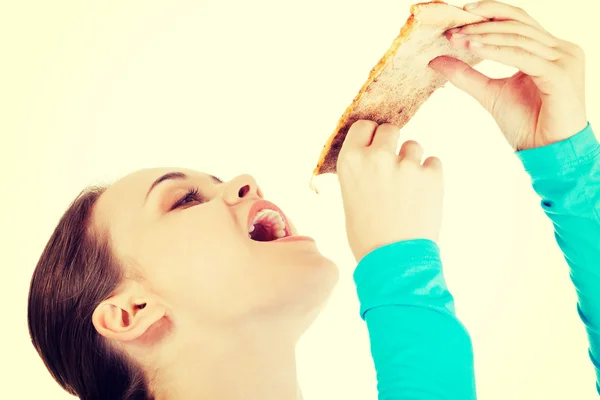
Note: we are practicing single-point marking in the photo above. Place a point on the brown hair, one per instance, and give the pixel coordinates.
(75, 273)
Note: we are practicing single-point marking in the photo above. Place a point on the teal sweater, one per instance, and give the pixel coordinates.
(420, 349)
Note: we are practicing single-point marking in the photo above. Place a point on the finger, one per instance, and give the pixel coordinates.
(411, 150)
(386, 136)
(509, 40)
(433, 163)
(501, 11)
(540, 70)
(515, 27)
(360, 134)
(467, 79)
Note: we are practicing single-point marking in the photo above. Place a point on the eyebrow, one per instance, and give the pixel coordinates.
(175, 176)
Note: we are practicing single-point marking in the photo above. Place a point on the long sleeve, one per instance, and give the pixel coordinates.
(566, 175)
(420, 349)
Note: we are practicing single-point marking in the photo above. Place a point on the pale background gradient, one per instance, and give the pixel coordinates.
(92, 90)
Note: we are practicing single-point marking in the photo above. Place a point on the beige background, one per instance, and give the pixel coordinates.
(92, 90)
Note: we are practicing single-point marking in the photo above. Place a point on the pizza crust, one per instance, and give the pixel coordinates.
(402, 80)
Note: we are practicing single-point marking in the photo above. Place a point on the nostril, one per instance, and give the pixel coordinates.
(244, 191)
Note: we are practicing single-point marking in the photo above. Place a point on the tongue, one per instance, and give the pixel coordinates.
(262, 233)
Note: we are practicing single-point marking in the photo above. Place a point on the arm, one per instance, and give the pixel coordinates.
(420, 349)
(566, 175)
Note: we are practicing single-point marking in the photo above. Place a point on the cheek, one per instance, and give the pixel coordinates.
(196, 266)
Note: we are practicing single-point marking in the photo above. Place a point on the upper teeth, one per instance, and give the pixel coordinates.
(274, 218)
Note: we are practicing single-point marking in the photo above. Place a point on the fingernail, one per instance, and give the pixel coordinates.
(470, 6)
(475, 44)
(458, 35)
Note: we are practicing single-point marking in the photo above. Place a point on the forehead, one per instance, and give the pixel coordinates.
(141, 181)
(145, 177)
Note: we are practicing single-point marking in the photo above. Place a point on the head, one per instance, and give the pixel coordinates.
(158, 257)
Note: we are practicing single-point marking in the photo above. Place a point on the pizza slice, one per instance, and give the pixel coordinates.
(402, 80)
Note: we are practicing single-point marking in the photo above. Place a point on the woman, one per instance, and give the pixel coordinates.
(168, 284)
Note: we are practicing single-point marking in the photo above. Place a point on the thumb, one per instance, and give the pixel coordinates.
(467, 79)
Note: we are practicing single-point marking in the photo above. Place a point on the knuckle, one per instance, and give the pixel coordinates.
(553, 41)
(390, 127)
(578, 52)
(554, 54)
(387, 129)
(412, 144)
(363, 124)
(521, 38)
(570, 62)
(574, 49)
(520, 10)
(408, 165)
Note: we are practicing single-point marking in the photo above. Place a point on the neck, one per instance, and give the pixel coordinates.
(232, 364)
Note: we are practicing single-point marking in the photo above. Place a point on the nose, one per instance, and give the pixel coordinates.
(241, 187)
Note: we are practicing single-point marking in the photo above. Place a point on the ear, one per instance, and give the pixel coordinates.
(128, 315)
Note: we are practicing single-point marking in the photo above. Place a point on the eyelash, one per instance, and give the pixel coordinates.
(192, 193)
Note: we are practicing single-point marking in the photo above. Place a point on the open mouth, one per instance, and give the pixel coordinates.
(267, 223)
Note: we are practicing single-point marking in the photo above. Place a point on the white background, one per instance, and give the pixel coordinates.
(90, 91)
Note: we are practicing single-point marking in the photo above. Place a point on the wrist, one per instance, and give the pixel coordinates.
(412, 243)
(361, 252)
(562, 156)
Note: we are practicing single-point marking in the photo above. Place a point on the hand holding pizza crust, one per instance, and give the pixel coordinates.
(388, 197)
(541, 104)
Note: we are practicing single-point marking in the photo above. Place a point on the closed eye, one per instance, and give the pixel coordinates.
(192, 195)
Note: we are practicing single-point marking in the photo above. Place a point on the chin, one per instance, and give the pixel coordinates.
(317, 270)
(318, 282)
(294, 284)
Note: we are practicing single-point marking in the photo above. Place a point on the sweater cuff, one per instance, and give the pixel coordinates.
(560, 157)
(403, 273)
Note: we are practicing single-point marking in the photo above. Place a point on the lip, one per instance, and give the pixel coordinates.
(295, 239)
(267, 205)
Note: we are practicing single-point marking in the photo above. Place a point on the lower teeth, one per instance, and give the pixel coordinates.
(280, 233)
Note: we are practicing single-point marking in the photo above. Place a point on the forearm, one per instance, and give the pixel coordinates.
(566, 175)
(419, 348)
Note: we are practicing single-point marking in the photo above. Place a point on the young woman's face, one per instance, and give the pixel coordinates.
(188, 236)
